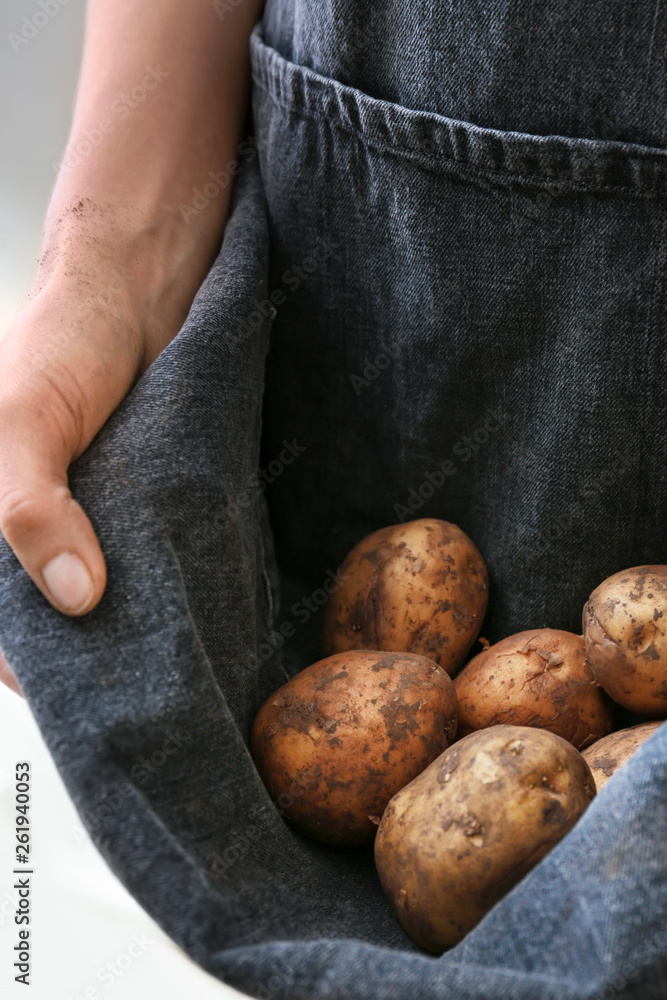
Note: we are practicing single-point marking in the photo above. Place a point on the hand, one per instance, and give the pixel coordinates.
(91, 327)
(121, 262)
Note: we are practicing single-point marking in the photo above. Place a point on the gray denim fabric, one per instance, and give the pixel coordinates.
(466, 321)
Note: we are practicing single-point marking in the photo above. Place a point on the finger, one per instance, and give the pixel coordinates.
(49, 532)
(63, 375)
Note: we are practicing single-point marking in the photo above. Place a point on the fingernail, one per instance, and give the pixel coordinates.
(69, 583)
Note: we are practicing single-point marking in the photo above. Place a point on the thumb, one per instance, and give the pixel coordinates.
(49, 532)
(64, 369)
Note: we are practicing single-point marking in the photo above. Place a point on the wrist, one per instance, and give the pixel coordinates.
(144, 268)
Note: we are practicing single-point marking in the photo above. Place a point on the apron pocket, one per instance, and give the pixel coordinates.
(471, 327)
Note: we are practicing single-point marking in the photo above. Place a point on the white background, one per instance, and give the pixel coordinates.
(83, 919)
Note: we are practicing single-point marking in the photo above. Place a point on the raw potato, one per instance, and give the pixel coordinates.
(625, 627)
(420, 587)
(337, 741)
(610, 753)
(466, 830)
(537, 678)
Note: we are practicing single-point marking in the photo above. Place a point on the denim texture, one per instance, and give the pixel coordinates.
(440, 293)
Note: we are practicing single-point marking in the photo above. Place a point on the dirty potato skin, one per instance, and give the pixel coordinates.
(536, 678)
(610, 753)
(625, 628)
(465, 831)
(337, 741)
(420, 587)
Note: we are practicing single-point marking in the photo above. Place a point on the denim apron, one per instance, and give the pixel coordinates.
(484, 340)
(441, 292)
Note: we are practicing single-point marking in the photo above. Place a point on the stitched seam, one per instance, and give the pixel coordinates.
(435, 163)
(319, 86)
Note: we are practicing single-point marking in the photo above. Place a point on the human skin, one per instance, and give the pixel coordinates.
(120, 263)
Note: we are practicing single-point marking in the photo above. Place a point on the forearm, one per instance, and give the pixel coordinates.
(160, 105)
(122, 260)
